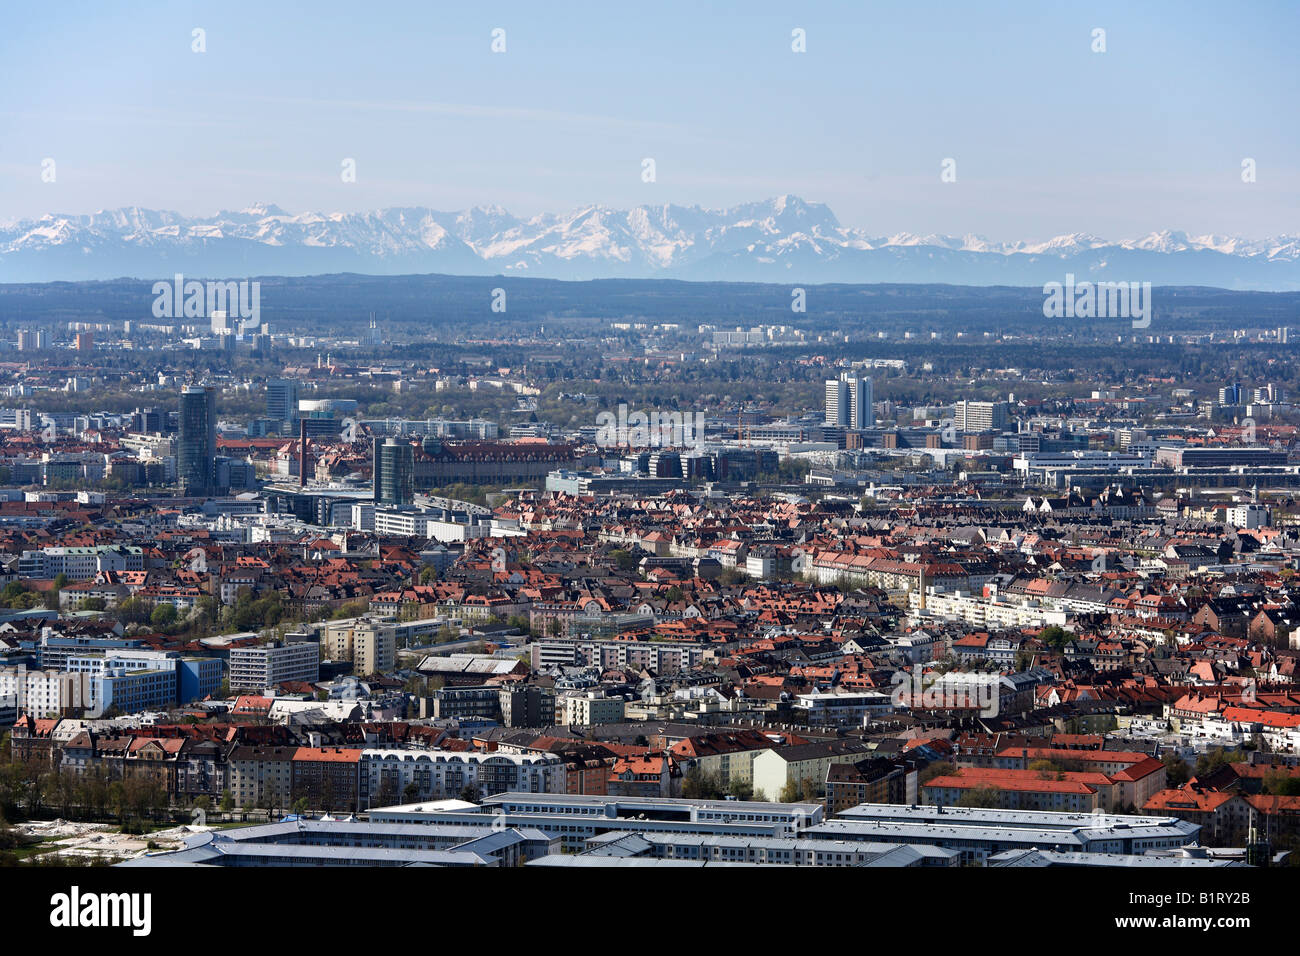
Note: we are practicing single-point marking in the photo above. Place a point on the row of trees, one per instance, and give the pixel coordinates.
(30, 789)
(209, 615)
(18, 596)
(134, 800)
(701, 785)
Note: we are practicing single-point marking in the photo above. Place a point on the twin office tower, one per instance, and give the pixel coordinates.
(848, 402)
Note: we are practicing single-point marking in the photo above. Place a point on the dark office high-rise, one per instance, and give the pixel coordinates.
(282, 399)
(394, 472)
(196, 447)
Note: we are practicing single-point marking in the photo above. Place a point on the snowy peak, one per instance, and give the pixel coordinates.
(782, 236)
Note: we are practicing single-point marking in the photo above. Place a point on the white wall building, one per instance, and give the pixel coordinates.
(583, 710)
(253, 669)
(443, 774)
(44, 692)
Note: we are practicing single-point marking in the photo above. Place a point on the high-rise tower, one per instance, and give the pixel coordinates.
(196, 448)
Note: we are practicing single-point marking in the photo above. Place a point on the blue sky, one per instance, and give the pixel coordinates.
(1048, 136)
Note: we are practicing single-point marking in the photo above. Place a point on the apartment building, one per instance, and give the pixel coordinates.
(389, 777)
(728, 756)
(79, 564)
(1224, 816)
(261, 776)
(131, 680)
(43, 693)
(871, 780)
(370, 645)
(664, 657)
(253, 669)
(803, 765)
(328, 778)
(482, 701)
(981, 611)
(849, 402)
(55, 651)
(979, 416)
(526, 705)
(1020, 790)
(583, 710)
(128, 687)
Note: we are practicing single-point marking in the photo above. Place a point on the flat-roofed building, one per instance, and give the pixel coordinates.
(386, 775)
(261, 777)
(254, 669)
(979, 832)
(575, 818)
(979, 416)
(584, 710)
(617, 847)
(370, 645)
(328, 778)
(304, 842)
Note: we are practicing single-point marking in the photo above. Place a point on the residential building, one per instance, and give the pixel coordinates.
(584, 710)
(254, 669)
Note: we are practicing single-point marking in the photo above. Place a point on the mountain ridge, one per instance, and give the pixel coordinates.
(781, 239)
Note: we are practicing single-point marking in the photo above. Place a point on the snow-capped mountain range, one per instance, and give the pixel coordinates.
(776, 240)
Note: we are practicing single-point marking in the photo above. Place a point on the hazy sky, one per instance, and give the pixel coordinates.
(1048, 136)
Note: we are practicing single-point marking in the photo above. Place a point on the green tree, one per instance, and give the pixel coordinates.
(208, 609)
(985, 796)
(625, 560)
(699, 785)
(1055, 637)
(163, 616)
(1176, 772)
(1217, 759)
(798, 790)
(12, 592)
(133, 610)
(51, 597)
(1279, 783)
(939, 768)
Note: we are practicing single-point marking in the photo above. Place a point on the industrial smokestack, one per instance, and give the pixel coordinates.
(302, 453)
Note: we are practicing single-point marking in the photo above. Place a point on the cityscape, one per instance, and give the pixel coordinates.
(693, 527)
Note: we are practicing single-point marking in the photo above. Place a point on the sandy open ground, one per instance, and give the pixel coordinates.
(103, 839)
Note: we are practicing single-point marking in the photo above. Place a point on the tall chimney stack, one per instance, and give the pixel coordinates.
(302, 453)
